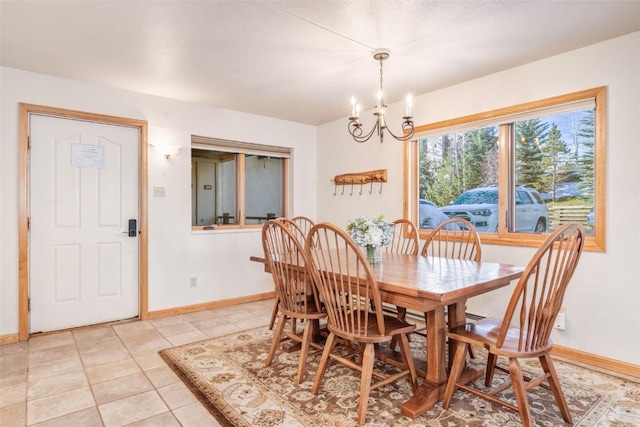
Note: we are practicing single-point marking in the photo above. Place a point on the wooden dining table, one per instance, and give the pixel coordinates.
(434, 286)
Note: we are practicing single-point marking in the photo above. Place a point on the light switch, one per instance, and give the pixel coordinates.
(158, 191)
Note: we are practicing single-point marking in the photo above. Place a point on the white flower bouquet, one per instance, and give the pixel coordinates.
(370, 231)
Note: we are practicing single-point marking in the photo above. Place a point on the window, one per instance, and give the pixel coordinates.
(237, 185)
(516, 173)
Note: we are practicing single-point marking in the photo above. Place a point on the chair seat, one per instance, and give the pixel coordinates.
(392, 326)
(486, 332)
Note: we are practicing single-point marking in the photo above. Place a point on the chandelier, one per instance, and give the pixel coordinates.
(355, 127)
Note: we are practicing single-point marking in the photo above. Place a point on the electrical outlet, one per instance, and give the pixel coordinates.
(194, 282)
(561, 320)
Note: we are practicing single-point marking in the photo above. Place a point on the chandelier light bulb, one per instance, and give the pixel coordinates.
(409, 106)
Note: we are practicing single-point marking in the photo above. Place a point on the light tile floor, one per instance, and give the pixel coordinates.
(112, 375)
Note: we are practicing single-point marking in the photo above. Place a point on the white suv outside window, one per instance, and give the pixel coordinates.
(480, 207)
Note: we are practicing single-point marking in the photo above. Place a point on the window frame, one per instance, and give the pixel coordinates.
(595, 242)
(241, 150)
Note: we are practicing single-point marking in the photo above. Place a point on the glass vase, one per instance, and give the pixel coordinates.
(373, 254)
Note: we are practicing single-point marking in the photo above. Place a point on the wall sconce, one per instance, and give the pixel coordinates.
(167, 150)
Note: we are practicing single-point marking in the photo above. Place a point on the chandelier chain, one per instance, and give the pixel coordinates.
(381, 74)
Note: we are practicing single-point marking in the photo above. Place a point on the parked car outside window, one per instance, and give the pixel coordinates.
(430, 215)
(480, 207)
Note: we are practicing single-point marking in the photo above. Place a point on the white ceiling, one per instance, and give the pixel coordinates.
(296, 60)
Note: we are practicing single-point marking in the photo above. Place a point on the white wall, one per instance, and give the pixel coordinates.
(220, 260)
(603, 300)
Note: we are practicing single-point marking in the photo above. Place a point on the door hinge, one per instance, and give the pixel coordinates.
(29, 142)
(29, 223)
(29, 304)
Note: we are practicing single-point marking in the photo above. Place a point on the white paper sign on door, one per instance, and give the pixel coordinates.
(87, 156)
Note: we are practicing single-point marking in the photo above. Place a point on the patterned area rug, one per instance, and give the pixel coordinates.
(228, 375)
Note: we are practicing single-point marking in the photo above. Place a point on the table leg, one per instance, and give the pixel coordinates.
(432, 388)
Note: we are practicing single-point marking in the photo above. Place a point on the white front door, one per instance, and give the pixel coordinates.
(83, 190)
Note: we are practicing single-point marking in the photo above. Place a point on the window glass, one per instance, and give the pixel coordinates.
(213, 183)
(263, 182)
(554, 158)
(237, 184)
(449, 165)
(517, 173)
(225, 211)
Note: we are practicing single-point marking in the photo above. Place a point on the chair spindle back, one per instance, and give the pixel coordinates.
(303, 223)
(538, 296)
(345, 281)
(295, 229)
(405, 238)
(287, 261)
(453, 238)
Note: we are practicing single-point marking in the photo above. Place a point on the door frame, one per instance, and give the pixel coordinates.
(23, 202)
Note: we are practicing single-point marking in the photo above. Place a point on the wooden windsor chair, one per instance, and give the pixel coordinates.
(348, 290)
(297, 294)
(405, 241)
(299, 226)
(525, 329)
(453, 238)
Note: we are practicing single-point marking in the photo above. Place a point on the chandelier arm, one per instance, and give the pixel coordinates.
(408, 130)
(355, 129)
